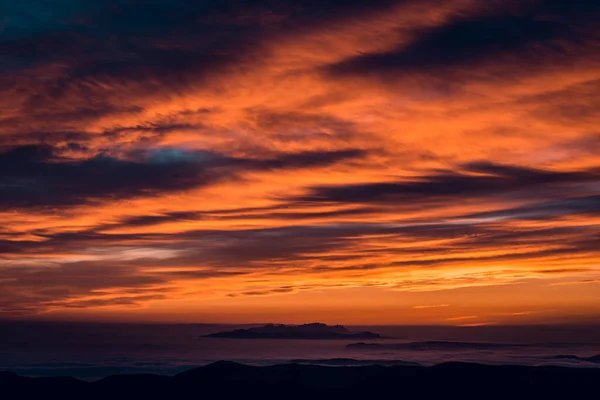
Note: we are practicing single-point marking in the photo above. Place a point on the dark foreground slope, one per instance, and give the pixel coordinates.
(236, 381)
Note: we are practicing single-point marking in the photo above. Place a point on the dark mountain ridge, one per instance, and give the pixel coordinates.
(229, 380)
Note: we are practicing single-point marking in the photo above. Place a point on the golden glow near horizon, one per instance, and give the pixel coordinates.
(423, 162)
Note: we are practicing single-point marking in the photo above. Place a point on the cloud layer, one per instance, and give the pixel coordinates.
(366, 162)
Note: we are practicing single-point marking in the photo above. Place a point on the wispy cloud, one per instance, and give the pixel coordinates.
(431, 306)
(462, 318)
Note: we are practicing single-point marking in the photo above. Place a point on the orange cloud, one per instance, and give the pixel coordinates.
(431, 306)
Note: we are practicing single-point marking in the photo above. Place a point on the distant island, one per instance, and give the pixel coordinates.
(306, 331)
(433, 345)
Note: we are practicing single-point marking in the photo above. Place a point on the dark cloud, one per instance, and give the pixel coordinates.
(32, 176)
(586, 205)
(530, 29)
(352, 212)
(269, 213)
(307, 159)
(279, 290)
(563, 270)
(200, 273)
(477, 179)
(149, 220)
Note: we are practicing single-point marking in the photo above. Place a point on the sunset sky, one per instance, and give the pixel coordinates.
(343, 161)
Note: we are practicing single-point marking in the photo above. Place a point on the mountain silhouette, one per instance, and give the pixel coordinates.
(306, 331)
(228, 380)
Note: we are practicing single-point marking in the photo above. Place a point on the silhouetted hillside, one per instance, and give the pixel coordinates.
(227, 380)
(306, 331)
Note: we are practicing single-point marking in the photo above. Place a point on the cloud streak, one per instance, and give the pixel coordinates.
(33, 176)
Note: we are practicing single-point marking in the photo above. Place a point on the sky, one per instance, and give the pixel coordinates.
(359, 162)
